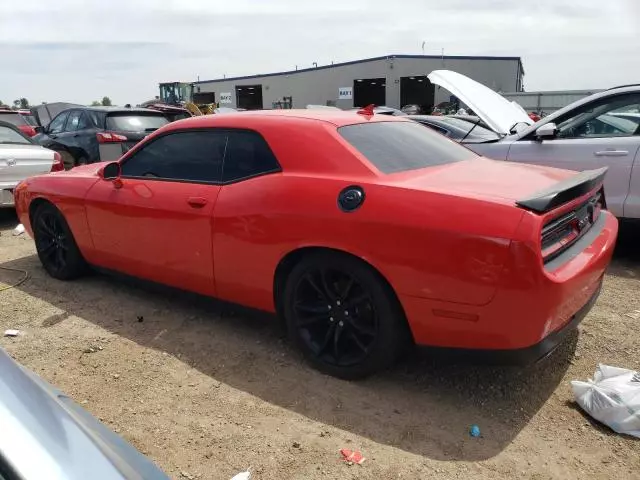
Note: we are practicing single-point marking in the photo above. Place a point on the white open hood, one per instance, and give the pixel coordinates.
(496, 111)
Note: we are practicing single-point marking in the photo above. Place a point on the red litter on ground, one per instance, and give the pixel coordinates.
(352, 456)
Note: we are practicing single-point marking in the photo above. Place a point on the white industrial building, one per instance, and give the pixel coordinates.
(394, 81)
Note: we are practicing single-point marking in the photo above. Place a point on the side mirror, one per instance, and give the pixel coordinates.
(547, 131)
(39, 129)
(111, 173)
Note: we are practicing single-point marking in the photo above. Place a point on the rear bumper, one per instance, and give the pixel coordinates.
(534, 307)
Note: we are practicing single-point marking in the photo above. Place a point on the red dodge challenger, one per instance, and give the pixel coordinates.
(364, 232)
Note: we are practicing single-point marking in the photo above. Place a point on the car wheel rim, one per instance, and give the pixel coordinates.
(335, 316)
(51, 241)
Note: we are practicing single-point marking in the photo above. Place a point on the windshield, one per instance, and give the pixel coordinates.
(8, 135)
(13, 118)
(399, 146)
(135, 123)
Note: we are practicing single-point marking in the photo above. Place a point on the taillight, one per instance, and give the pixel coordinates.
(109, 137)
(57, 166)
(560, 233)
(28, 130)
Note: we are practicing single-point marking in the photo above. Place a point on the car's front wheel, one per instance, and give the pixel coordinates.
(56, 247)
(342, 315)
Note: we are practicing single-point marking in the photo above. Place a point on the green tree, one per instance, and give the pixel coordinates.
(21, 103)
(106, 101)
(95, 103)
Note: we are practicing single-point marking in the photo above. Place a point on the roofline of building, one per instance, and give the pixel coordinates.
(554, 92)
(364, 60)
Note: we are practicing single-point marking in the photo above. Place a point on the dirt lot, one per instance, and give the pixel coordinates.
(207, 390)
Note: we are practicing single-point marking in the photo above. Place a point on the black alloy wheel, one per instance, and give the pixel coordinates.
(335, 316)
(55, 244)
(342, 315)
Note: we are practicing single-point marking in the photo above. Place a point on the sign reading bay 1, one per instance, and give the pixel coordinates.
(345, 93)
(225, 98)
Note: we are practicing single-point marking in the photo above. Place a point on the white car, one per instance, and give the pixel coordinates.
(20, 158)
(602, 130)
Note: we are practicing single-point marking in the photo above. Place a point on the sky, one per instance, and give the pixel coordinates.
(81, 50)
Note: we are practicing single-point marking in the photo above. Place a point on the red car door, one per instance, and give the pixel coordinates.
(243, 237)
(158, 224)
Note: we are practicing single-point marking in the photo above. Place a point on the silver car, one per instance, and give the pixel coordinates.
(602, 130)
(20, 158)
(46, 435)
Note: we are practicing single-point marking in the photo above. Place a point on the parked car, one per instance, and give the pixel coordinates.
(92, 134)
(365, 232)
(15, 118)
(20, 158)
(456, 128)
(602, 130)
(45, 434)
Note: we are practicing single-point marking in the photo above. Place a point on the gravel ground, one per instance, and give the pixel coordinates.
(207, 390)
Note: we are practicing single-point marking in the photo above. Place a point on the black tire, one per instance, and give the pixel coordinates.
(56, 247)
(82, 161)
(336, 298)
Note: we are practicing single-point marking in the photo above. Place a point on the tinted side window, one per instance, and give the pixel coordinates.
(191, 156)
(73, 121)
(248, 155)
(83, 122)
(96, 119)
(399, 146)
(57, 124)
(617, 116)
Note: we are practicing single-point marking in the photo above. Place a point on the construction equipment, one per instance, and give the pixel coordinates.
(181, 94)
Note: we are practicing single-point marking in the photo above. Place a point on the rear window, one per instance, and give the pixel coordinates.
(135, 123)
(7, 135)
(13, 118)
(399, 146)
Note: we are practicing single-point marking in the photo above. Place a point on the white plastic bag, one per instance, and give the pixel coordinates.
(243, 475)
(612, 397)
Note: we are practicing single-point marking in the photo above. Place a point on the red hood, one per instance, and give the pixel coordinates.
(482, 178)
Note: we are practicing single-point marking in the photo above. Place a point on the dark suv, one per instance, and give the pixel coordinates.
(97, 134)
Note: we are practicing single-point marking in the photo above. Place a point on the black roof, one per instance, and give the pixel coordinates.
(365, 60)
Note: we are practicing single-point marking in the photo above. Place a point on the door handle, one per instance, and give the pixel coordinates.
(197, 202)
(612, 153)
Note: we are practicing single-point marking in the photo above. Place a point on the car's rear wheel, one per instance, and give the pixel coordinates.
(56, 247)
(342, 315)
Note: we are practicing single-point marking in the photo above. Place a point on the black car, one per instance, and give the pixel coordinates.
(457, 128)
(96, 134)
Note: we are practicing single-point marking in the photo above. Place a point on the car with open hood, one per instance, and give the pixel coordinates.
(602, 130)
(364, 232)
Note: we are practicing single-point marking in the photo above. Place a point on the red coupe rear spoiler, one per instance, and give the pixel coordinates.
(563, 192)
